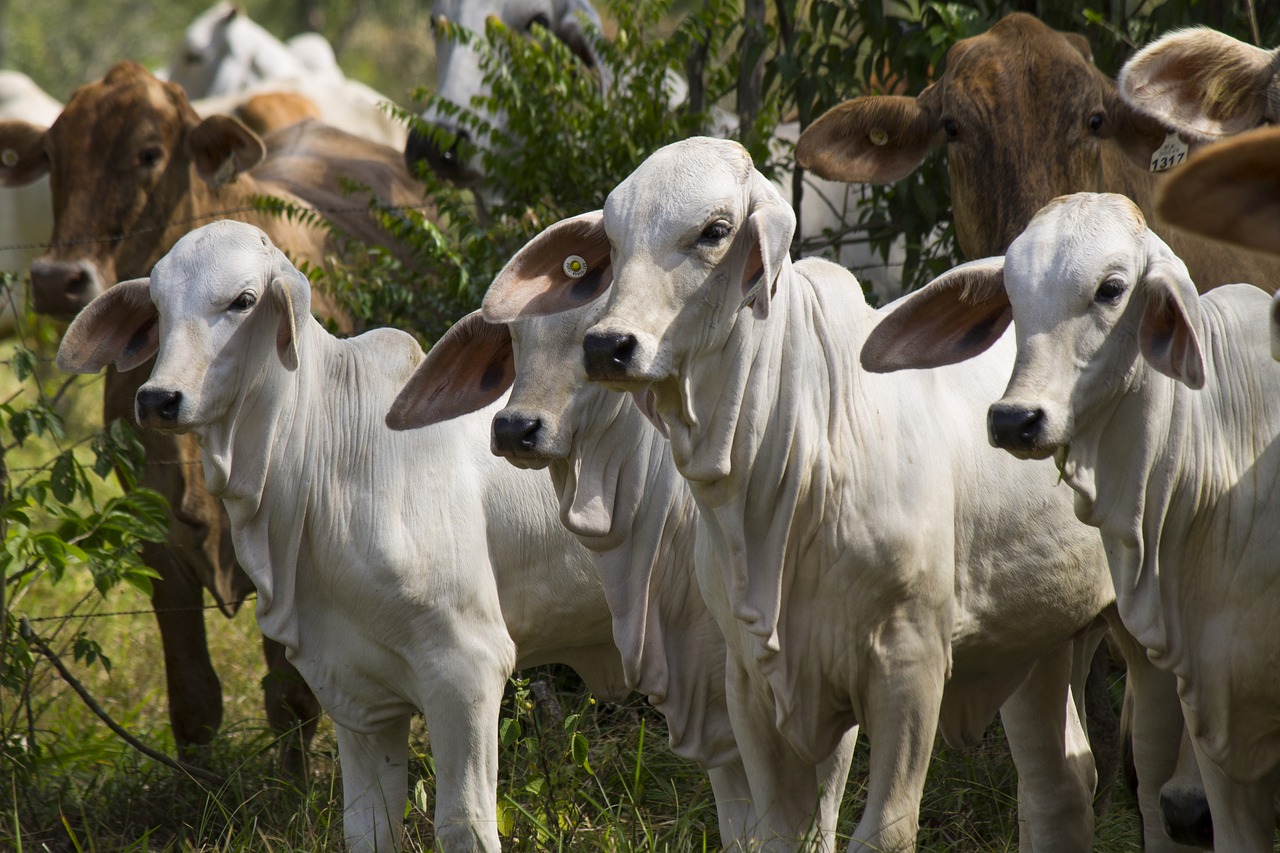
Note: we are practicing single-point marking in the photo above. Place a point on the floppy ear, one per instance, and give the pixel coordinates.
(22, 156)
(1168, 333)
(955, 317)
(766, 244)
(292, 295)
(469, 367)
(120, 325)
(222, 148)
(1230, 192)
(876, 139)
(571, 29)
(564, 267)
(1202, 82)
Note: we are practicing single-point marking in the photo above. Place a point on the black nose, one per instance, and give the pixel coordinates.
(1186, 818)
(1014, 427)
(61, 288)
(157, 405)
(513, 434)
(607, 355)
(427, 147)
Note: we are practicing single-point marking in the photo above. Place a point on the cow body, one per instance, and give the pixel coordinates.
(401, 571)
(861, 569)
(1025, 117)
(133, 168)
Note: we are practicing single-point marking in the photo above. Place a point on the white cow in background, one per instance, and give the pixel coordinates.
(621, 495)
(865, 566)
(403, 571)
(826, 206)
(226, 56)
(26, 213)
(1162, 410)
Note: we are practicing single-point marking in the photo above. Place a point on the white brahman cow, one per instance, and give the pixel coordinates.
(1161, 409)
(226, 57)
(622, 497)
(403, 571)
(865, 567)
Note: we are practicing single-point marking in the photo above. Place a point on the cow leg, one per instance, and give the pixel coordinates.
(195, 694)
(292, 709)
(733, 804)
(902, 705)
(1244, 813)
(375, 785)
(784, 787)
(1056, 776)
(1157, 731)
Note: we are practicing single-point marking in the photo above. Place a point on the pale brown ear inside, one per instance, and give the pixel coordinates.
(876, 139)
(22, 155)
(468, 368)
(534, 281)
(1229, 192)
(954, 319)
(222, 148)
(119, 326)
(1167, 340)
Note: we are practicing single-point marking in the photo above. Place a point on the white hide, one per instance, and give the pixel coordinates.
(404, 571)
(859, 543)
(26, 213)
(226, 58)
(1180, 482)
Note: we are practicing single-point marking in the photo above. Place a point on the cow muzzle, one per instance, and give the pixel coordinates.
(451, 163)
(1186, 818)
(609, 356)
(62, 288)
(518, 438)
(1018, 429)
(158, 408)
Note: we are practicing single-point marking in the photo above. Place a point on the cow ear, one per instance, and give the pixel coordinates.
(877, 139)
(1168, 334)
(121, 325)
(564, 267)
(291, 293)
(572, 30)
(766, 245)
(22, 155)
(468, 368)
(1230, 192)
(222, 148)
(957, 316)
(1201, 82)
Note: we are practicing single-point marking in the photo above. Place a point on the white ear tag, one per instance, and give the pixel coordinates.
(878, 136)
(9, 158)
(1169, 154)
(574, 266)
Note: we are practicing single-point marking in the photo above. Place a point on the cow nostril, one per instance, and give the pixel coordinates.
(1014, 428)
(78, 285)
(514, 434)
(158, 404)
(608, 353)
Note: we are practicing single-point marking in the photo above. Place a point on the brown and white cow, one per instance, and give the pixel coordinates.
(132, 169)
(1025, 117)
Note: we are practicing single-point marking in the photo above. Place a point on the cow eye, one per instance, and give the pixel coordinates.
(715, 232)
(541, 20)
(244, 301)
(1110, 291)
(194, 57)
(951, 129)
(150, 155)
(1095, 122)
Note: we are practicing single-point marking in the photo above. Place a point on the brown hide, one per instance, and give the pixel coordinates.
(273, 111)
(129, 156)
(1025, 117)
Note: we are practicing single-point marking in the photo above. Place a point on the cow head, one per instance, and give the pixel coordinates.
(221, 304)
(129, 162)
(1204, 83)
(460, 80)
(1024, 115)
(1091, 291)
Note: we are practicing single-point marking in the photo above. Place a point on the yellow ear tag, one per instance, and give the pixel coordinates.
(574, 266)
(9, 157)
(878, 136)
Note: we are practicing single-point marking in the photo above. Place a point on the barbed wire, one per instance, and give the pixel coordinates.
(141, 611)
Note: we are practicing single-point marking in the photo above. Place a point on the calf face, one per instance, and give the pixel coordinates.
(695, 231)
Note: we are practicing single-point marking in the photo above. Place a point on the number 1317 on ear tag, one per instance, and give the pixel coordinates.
(1172, 152)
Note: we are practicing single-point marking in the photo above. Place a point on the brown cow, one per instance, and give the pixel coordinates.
(132, 169)
(271, 111)
(1026, 117)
